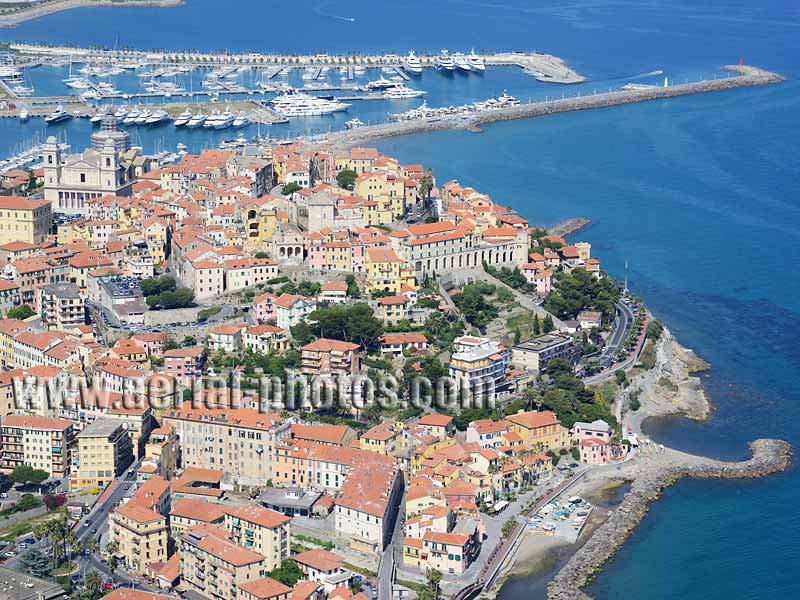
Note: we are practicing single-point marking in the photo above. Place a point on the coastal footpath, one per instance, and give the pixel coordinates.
(34, 10)
(739, 76)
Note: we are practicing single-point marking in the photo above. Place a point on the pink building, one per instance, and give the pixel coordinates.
(595, 451)
(541, 279)
(184, 363)
(264, 305)
(317, 256)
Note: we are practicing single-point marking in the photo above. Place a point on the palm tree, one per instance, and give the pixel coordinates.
(113, 561)
(425, 189)
(94, 585)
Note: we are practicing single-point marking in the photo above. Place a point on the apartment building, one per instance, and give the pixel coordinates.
(189, 512)
(329, 357)
(260, 529)
(184, 363)
(240, 441)
(103, 452)
(24, 220)
(539, 430)
(214, 566)
(140, 534)
(61, 306)
(535, 354)
(41, 442)
(479, 364)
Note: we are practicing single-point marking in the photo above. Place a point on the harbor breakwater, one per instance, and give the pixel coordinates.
(768, 456)
(10, 17)
(746, 76)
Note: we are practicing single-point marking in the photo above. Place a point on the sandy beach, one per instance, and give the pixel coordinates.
(34, 11)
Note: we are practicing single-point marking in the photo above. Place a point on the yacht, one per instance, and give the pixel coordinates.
(58, 115)
(401, 92)
(241, 121)
(380, 84)
(97, 117)
(183, 118)
(411, 64)
(444, 62)
(211, 121)
(91, 95)
(24, 115)
(224, 120)
(131, 117)
(8, 72)
(299, 104)
(462, 62)
(22, 91)
(353, 123)
(77, 83)
(121, 113)
(157, 117)
(476, 62)
(143, 116)
(507, 99)
(196, 121)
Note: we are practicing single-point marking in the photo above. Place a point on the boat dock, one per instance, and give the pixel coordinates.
(544, 67)
(738, 76)
(401, 73)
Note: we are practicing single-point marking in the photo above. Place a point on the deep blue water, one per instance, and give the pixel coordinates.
(701, 195)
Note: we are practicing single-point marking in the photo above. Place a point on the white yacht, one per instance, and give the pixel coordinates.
(97, 117)
(353, 123)
(24, 115)
(507, 99)
(224, 120)
(299, 104)
(242, 120)
(401, 92)
(183, 118)
(22, 91)
(157, 117)
(131, 117)
(461, 62)
(380, 84)
(58, 115)
(197, 120)
(9, 72)
(91, 95)
(77, 83)
(444, 62)
(143, 116)
(211, 121)
(411, 64)
(121, 113)
(476, 62)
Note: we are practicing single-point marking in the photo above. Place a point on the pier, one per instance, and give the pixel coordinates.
(738, 76)
(544, 67)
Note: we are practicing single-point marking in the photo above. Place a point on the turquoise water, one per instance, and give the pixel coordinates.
(700, 194)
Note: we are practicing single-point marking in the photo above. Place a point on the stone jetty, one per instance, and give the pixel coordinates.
(739, 76)
(768, 456)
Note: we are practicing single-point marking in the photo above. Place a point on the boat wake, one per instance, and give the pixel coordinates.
(320, 10)
(631, 77)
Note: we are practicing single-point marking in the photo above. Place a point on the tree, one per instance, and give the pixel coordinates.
(290, 188)
(94, 585)
(508, 527)
(472, 304)
(425, 188)
(432, 580)
(352, 287)
(34, 562)
(26, 474)
(20, 312)
(353, 323)
(52, 502)
(579, 290)
(261, 254)
(154, 286)
(621, 377)
(547, 325)
(346, 179)
(536, 327)
(288, 573)
(302, 333)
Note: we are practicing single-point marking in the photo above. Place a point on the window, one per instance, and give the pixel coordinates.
(83, 177)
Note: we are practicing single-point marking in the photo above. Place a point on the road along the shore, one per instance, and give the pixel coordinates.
(769, 456)
(746, 76)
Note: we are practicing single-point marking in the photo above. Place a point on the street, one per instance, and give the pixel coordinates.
(393, 553)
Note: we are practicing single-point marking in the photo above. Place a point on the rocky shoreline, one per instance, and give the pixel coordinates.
(769, 456)
(569, 226)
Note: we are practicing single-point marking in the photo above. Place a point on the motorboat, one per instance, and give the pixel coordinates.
(58, 115)
(183, 118)
(22, 91)
(224, 120)
(211, 121)
(97, 117)
(411, 64)
(476, 62)
(197, 120)
(354, 123)
(131, 117)
(444, 62)
(300, 104)
(77, 83)
(462, 62)
(402, 92)
(24, 115)
(143, 116)
(380, 84)
(241, 121)
(157, 117)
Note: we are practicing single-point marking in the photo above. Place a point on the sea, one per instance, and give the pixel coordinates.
(699, 196)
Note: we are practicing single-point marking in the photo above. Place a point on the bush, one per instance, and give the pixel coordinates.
(290, 188)
(20, 312)
(52, 502)
(208, 312)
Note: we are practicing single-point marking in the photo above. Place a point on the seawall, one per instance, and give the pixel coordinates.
(34, 11)
(769, 456)
(746, 76)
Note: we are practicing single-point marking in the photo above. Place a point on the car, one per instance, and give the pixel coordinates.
(10, 554)
(94, 530)
(86, 523)
(107, 585)
(573, 465)
(3, 495)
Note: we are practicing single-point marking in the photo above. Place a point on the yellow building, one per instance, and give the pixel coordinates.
(260, 529)
(382, 439)
(155, 235)
(392, 309)
(103, 452)
(162, 448)
(141, 535)
(539, 430)
(24, 220)
(384, 271)
(8, 329)
(377, 212)
(420, 455)
(383, 188)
